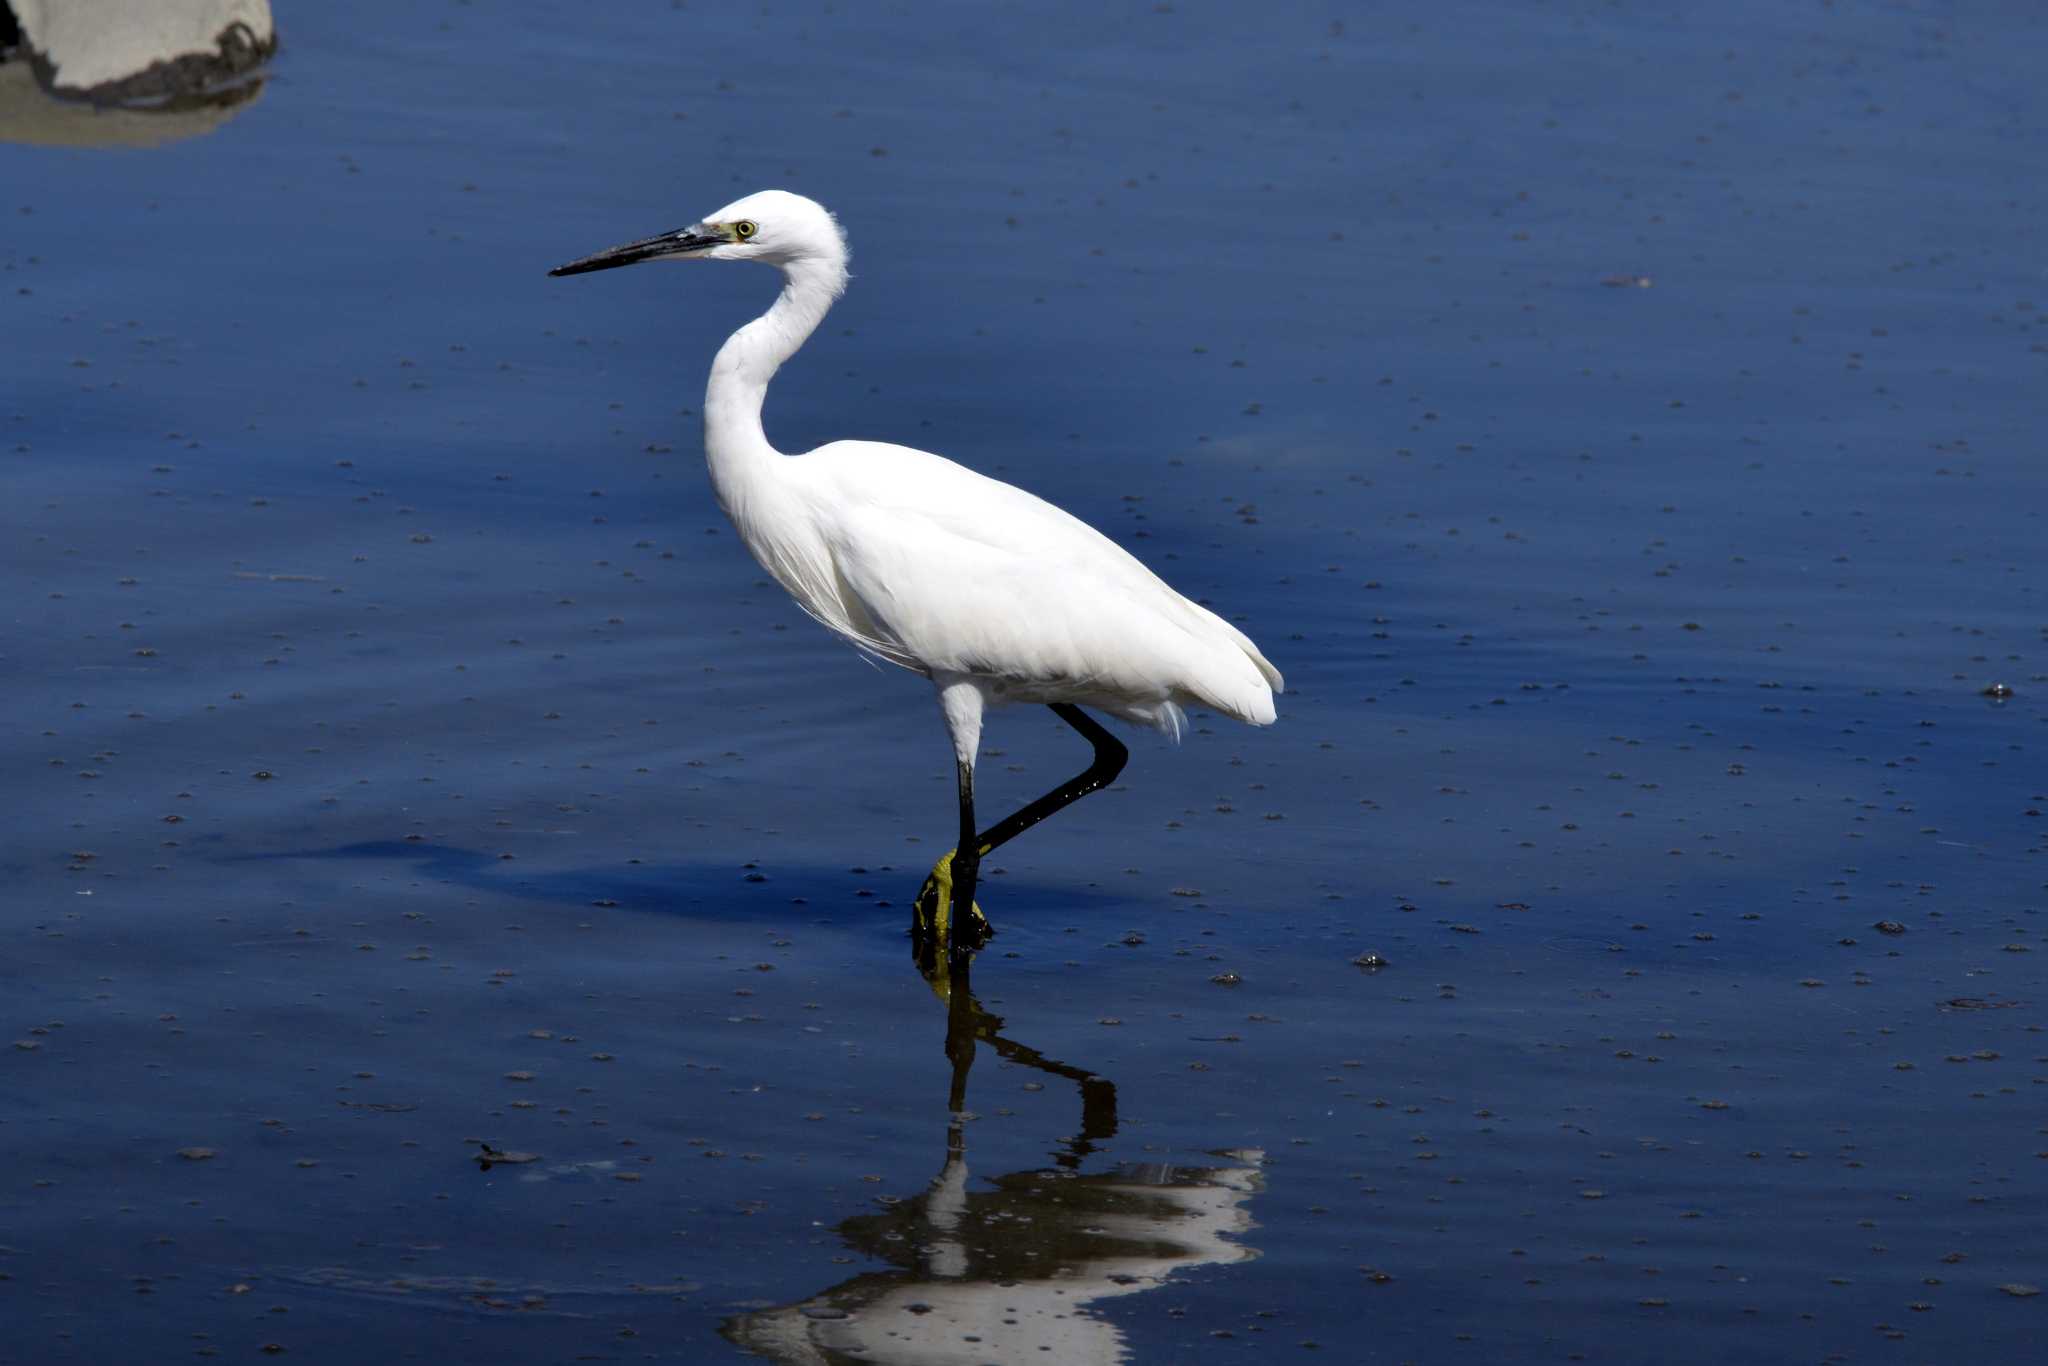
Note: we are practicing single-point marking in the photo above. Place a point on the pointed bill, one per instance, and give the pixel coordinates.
(681, 242)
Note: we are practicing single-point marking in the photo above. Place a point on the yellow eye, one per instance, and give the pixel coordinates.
(744, 229)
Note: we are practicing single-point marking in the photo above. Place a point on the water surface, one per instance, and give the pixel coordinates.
(1621, 424)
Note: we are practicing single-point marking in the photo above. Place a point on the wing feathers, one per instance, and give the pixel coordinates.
(927, 564)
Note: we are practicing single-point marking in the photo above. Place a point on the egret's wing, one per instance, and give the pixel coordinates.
(971, 575)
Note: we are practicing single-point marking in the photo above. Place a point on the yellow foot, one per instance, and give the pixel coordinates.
(933, 912)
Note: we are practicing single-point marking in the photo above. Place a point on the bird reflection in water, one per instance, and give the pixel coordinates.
(1010, 1271)
(127, 73)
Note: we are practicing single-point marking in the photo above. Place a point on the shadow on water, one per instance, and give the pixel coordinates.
(1014, 1268)
(665, 887)
(131, 73)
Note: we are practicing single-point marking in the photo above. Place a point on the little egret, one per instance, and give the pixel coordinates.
(993, 594)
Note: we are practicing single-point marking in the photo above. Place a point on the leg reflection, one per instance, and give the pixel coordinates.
(969, 1024)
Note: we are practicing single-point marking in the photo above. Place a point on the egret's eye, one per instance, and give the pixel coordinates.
(744, 229)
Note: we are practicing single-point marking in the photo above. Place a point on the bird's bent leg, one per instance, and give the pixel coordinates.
(1110, 756)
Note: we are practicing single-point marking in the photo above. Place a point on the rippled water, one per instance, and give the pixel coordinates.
(1621, 424)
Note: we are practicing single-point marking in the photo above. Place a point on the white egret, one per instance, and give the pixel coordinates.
(993, 594)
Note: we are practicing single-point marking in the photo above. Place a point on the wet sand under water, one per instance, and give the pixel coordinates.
(406, 767)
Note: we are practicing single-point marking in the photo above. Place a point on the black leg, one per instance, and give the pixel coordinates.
(1110, 756)
(964, 929)
(964, 938)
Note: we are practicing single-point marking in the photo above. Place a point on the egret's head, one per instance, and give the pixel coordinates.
(774, 226)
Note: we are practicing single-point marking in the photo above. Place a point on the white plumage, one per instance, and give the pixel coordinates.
(932, 566)
(994, 594)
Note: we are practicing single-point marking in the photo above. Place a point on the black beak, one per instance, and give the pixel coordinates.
(678, 243)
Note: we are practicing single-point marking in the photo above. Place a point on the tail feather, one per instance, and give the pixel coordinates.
(1264, 665)
(1248, 698)
(1243, 642)
(1273, 678)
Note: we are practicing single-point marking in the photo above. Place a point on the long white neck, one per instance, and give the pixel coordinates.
(735, 446)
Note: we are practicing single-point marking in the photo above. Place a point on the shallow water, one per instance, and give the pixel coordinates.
(403, 756)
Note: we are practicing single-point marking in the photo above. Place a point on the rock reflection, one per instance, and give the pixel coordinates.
(127, 73)
(1011, 1271)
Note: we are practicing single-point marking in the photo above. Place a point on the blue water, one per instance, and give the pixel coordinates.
(403, 756)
